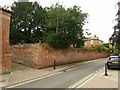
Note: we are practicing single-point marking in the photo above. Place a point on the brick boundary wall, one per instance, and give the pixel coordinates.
(0, 42)
(5, 56)
(40, 55)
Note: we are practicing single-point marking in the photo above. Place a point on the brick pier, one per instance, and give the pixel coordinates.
(5, 56)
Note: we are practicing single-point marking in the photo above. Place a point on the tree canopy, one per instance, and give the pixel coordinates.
(27, 22)
(115, 37)
(56, 25)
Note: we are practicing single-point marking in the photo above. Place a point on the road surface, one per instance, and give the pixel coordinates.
(68, 78)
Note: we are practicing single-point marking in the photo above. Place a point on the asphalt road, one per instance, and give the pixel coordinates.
(68, 78)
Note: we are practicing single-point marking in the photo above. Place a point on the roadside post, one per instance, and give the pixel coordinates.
(106, 69)
(54, 64)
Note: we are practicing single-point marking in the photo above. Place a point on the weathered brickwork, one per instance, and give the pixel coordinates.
(4, 41)
(40, 56)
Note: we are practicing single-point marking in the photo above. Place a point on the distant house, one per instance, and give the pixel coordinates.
(93, 41)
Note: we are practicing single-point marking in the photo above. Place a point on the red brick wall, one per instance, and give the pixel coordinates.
(5, 27)
(39, 56)
(0, 42)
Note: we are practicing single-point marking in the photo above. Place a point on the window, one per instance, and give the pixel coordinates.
(92, 42)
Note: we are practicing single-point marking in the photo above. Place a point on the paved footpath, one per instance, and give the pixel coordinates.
(101, 81)
(21, 74)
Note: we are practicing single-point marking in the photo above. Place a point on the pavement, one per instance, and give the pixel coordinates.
(99, 80)
(22, 74)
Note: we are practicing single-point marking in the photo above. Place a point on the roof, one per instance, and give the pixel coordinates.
(6, 10)
(93, 38)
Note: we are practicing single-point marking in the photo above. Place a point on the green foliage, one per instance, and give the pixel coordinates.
(106, 45)
(58, 40)
(118, 45)
(90, 48)
(27, 22)
(116, 51)
(58, 26)
(115, 37)
(65, 22)
(101, 48)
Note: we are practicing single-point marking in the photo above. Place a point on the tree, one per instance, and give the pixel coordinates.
(65, 24)
(27, 22)
(56, 25)
(75, 21)
(55, 32)
(115, 37)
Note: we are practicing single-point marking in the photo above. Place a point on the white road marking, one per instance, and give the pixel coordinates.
(81, 81)
(85, 79)
(42, 77)
(8, 79)
(89, 79)
(83, 63)
(11, 86)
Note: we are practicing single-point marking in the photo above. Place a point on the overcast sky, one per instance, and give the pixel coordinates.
(101, 14)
